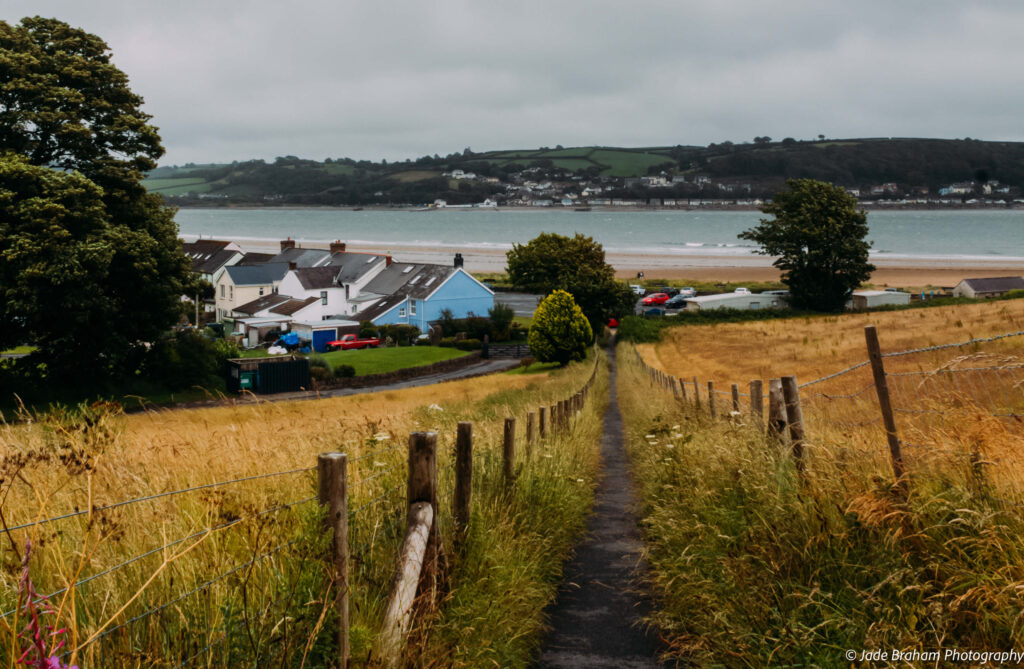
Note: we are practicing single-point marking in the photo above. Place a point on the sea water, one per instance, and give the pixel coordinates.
(967, 235)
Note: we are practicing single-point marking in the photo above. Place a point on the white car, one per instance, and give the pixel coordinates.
(688, 292)
(637, 290)
(741, 291)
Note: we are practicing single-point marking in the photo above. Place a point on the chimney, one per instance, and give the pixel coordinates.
(458, 260)
(287, 244)
(292, 266)
(337, 246)
(387, 260)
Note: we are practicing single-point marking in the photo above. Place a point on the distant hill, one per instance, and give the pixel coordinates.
(904, 166)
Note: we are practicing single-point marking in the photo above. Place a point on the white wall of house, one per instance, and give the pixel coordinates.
(228, 295)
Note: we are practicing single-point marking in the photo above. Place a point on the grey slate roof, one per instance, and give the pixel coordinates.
(261, 303)
(315, 278)
(303, 257)
(412, 280)
(379, 308)
(255, 258)
(257, 275)
(998, 284)
(207, 255)
(352, 266)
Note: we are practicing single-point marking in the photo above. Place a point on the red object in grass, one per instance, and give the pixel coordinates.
(612, 323)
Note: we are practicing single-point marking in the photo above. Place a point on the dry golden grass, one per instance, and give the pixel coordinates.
(813, 347)
(58, 464)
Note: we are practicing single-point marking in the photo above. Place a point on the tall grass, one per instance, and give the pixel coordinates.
(240, 579)
(754, 565)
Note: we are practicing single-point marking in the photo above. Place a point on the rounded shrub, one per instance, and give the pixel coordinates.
(344, 371)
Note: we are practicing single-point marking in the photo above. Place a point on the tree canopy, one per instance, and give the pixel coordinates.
(575, 264)
(820, 238)
(93, 270)
(560, 332)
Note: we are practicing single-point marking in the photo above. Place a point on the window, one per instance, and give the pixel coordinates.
(354, 308)
(323, 297)
(407, 269)
(430, 281)
(261, 291)
(412, 307)
(222, 289)
(401, 312)
(231, 292)
(346, 291)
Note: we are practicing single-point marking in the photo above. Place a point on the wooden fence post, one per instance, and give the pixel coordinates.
(555, 420)
(711, 399)
(543, 422)
(531, 430)
(696, 394)
(509, 450)
(736, 397)
(682, 388)
(776, 409)
(422, 487)
(463, 476)
(756, 402)
(795, 417)
(885, 403)
(332, 475)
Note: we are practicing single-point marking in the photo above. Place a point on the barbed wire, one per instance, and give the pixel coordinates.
(842, 397)
(208, 530)
(378, 474)
(379, 451)
(832, 376)
(203, 586)
(151, 497)
(378, 498)
(953, 370)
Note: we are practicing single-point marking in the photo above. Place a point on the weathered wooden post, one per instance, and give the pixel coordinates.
(554, 418)
(463, 476)
(332, 492)
(756, 402)
(885, 404)
(696, 394)
(795, 418)
(531, 431)
(682, 388)
(422, 487)
(711, 399)
(509, 450)
(776, 409)
(543, 422)
(736, 397)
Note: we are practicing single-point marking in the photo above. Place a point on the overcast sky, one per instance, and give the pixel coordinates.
(377, 79)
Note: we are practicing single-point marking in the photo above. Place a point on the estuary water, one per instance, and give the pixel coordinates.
(922, 235)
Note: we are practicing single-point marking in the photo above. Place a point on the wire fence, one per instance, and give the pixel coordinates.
(247, 574)
(942, 401)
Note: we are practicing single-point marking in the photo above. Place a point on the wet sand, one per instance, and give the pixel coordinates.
(907, 273)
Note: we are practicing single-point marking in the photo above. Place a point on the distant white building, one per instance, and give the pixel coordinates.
(737, 301)
(867, 299)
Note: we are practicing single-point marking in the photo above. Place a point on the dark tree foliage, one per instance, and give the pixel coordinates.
(819, 236)
(576, 265)
(73, 135)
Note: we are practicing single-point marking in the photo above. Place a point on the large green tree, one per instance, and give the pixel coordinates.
(820, 238)
(559, 332)
(71, 128)
(576, 265)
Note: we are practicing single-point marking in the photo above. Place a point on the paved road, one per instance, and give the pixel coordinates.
(596, 620)
(524, 304)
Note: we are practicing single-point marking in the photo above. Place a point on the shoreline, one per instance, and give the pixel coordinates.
(910, 273)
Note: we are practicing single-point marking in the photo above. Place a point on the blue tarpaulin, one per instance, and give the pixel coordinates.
(289, 339)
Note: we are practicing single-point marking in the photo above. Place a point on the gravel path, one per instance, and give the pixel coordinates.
(596, 620)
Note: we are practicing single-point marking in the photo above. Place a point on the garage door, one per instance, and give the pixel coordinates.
(321, 337)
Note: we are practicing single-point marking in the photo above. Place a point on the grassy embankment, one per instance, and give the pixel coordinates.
(754, 565)
(273, 608)
(383, 360)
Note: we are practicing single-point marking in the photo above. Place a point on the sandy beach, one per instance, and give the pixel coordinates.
(909, 273)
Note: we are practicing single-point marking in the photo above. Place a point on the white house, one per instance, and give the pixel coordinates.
(337, 286)
(241, 284)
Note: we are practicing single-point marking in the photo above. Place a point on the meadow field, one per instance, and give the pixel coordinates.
(219, 559)
(757, 561)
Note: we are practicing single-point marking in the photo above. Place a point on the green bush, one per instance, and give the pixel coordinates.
(186, 359)
(448, 342)
(560, 332)
(317, 362)
(344, 371)
(468, 344)
(320, 374)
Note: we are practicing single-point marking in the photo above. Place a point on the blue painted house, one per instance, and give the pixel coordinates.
(415, 294)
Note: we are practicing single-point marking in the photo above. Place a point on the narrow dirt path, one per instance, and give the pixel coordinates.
(596, 620)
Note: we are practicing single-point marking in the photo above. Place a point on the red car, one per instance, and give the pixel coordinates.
(656, 298)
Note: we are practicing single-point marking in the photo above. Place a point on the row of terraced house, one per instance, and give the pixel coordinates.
(323, 293)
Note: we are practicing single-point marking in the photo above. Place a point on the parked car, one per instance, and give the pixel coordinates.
(677, 302)
(350, 342)
(637, 290)
(688, 292)
(655, 298)
(742, 291)
(669, 290)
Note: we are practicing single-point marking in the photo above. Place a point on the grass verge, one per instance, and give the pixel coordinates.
(383, 360)
(755, 566)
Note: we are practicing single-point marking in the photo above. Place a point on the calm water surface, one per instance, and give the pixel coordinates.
(988, 235)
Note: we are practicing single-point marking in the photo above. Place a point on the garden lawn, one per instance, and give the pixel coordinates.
(383, 360)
